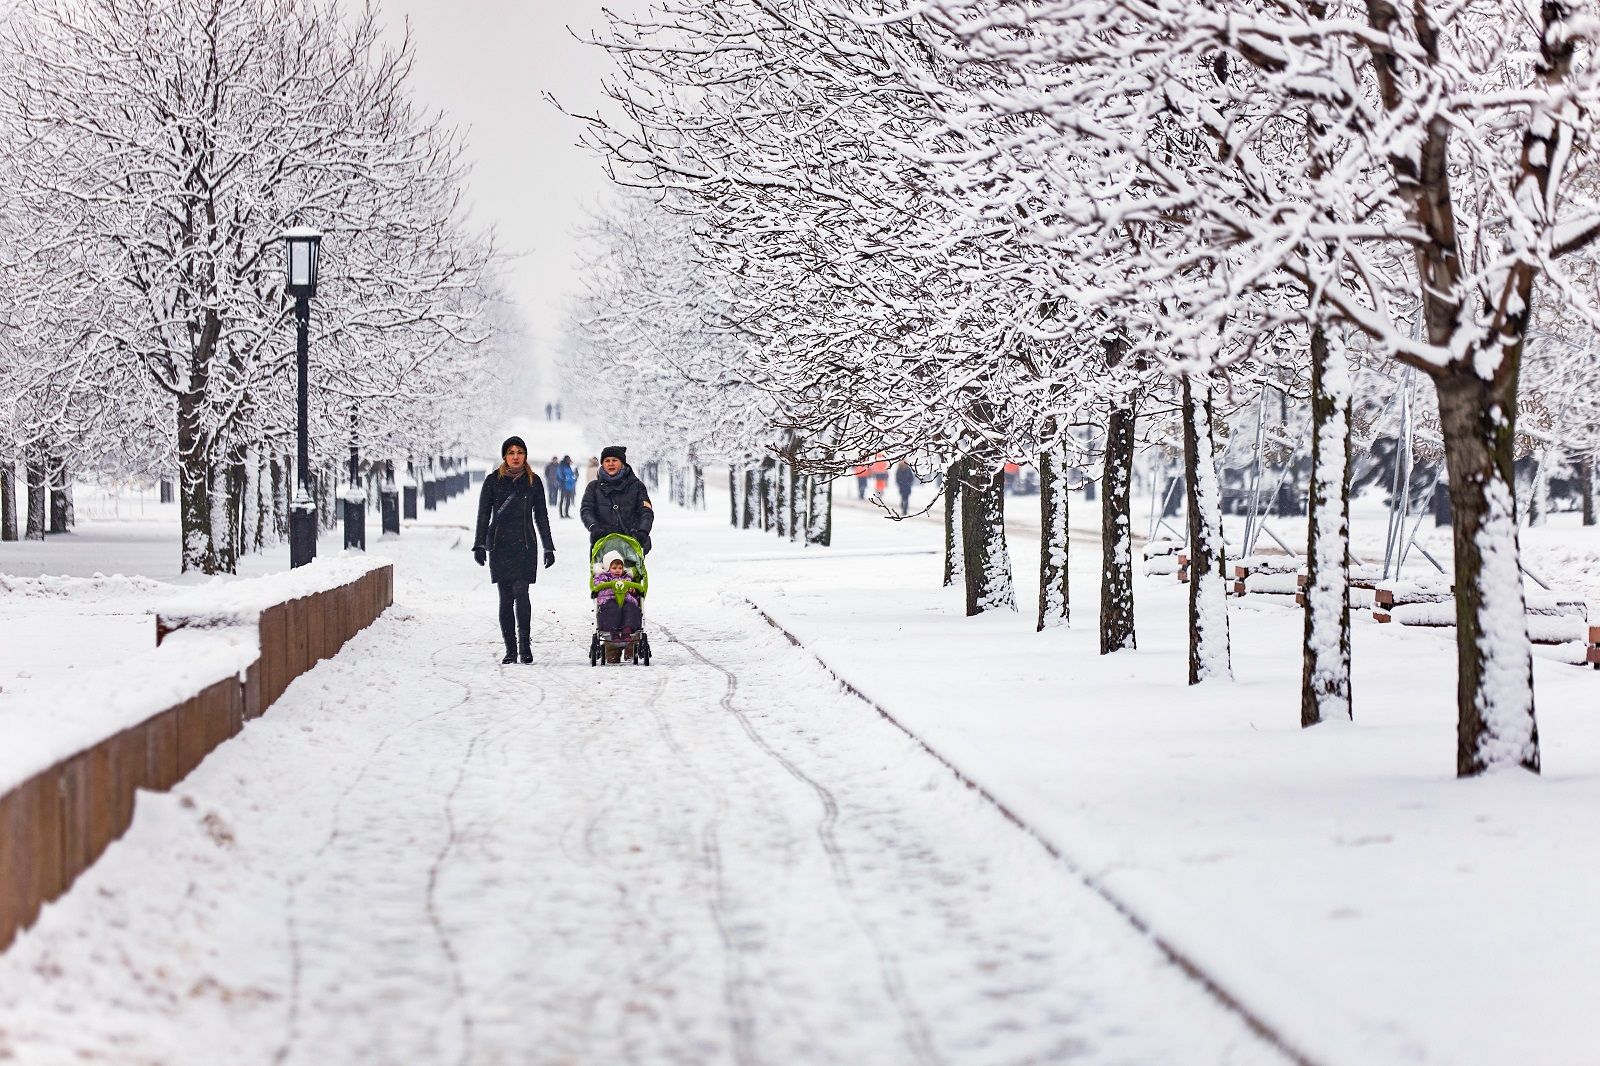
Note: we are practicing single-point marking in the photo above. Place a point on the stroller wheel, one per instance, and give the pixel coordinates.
(594, 650)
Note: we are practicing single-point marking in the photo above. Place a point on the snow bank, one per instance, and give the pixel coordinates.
(59, 720)
(97, 589)
(241, 602)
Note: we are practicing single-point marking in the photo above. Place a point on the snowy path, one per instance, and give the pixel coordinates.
(420, 857)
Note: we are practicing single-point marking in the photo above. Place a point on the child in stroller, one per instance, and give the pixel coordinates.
(618, 586)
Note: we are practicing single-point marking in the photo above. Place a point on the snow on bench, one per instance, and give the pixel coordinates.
(1363, 584)
(76, 753)
(1553, 618)
(1160, 557)
(1268, 575)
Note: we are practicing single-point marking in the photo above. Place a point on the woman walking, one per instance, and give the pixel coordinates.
(510, 507)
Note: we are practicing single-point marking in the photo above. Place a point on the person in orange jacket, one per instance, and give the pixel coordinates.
(880, 474)
(863, 471)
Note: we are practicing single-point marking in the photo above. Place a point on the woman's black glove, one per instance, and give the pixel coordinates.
(480, 555)
(549, 560)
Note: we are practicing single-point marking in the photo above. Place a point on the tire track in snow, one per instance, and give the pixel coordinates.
(915, 1027)
(335, 834)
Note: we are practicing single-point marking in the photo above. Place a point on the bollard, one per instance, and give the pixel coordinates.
(355, 523)
(389, 506)
(430, 495)
(409, 502)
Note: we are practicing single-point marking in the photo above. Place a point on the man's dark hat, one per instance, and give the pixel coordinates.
(614, 452)
(512, 440)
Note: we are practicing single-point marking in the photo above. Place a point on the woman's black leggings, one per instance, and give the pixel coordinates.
(515, 612)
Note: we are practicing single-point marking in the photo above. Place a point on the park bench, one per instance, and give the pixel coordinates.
(1553, 617)
(1267, 575)
(1161, 557)
(1363, 581)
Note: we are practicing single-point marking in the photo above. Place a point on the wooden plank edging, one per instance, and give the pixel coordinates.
(55, 824)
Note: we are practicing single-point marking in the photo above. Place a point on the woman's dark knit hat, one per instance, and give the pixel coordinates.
(510, 441)
(616, 451)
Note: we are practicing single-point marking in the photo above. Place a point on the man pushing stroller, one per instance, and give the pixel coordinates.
(616, 501)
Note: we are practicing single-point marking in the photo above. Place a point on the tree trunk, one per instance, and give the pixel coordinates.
(263, 502)
(1585, 488)
(1495, 724)
(1055, 602)
(328, 511)
(1208, 590)
(8, 500)
(1539, 489)
(230, 532)
(952, 523)
(819, 512)
(781, 500)
(1116, 535)
(749, 508)
(1325, 672)
(733, 496)
(34, 465)
(280, 499)
(796, 505)
(986, 562)
(769, 494)
(698, 495)
(60, 499)
(199, 549)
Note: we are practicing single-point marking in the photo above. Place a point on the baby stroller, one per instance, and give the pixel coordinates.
(614, 646)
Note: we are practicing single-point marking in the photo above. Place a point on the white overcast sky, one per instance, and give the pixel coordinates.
(487, 64)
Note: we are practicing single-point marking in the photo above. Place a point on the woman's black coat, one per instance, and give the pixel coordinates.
(619, 506)
(508, 509)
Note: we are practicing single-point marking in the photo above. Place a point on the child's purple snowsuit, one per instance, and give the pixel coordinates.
(612, 616)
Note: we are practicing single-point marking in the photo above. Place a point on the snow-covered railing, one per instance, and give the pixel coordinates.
(75, 755)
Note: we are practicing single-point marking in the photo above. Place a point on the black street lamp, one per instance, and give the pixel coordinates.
(303, 248)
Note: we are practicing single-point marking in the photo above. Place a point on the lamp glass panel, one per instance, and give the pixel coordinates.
(299, 263)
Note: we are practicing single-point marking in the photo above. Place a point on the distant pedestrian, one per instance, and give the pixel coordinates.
(904, 478)
(547, 412)
(880, 475)
(552, 479)
(591, 471)
(558, 410)
(862, 472)
(1011, 470)
(569, 485)
(512, 524)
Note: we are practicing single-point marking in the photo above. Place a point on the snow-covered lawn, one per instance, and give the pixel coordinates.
(1340, 880)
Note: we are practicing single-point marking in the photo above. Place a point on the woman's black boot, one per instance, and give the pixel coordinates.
(526, 651)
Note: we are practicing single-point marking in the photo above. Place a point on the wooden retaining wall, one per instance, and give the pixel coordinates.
(57, 823)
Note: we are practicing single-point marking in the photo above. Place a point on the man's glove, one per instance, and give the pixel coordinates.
(480, 555)
(549, 560)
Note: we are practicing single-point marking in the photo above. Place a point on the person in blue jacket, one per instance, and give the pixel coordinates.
(567, 477)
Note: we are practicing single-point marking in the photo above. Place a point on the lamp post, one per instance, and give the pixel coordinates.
(302, 246)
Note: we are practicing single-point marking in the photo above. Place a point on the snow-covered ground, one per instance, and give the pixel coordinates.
(421, 856)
